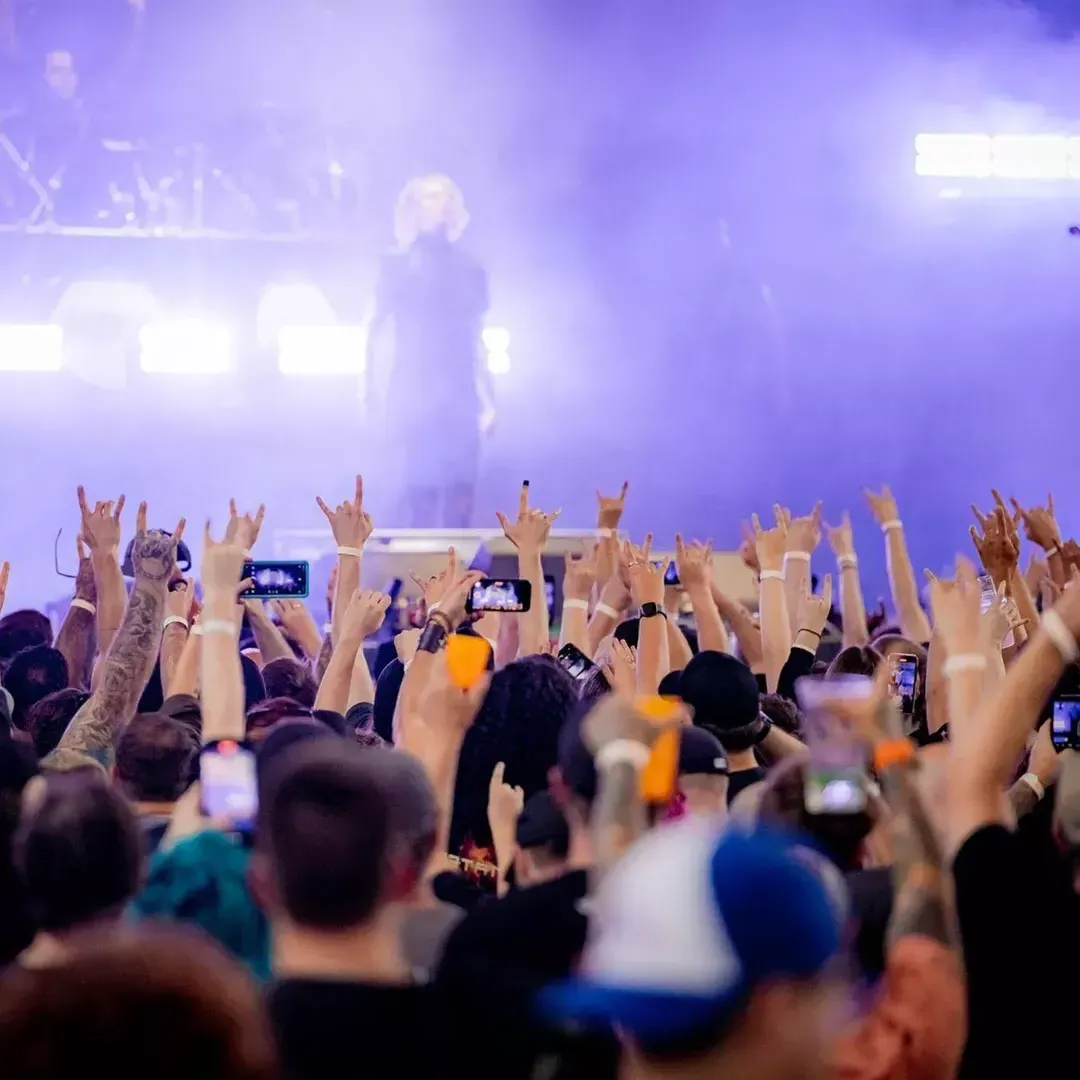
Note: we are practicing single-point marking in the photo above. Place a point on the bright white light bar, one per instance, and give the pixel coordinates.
(321, 350)
(495, 338)
(185, 347)
(31, 347)
(1012, 157)
(498, 361)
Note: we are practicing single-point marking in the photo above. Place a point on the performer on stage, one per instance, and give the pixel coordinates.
(439, 386)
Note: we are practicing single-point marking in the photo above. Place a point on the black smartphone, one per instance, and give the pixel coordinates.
(227, 784)
(495, 594)
(576, 663)
(275, 579)
(671, 575)
(1065, 722)
(549, 591)
(903, 668)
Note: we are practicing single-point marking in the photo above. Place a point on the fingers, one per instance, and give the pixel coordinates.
(80, 492)
(451, 562)
(140, 518)
(208, 540)
(780, 515)
(259, 515)
(680, 548)
(498, 773)
(976, 539)
(5, 574)
(244, 586)
(931, 578)
(965, 571)
(119, 508)
(325, 509)
(232, 510)
(503, 523)
(359, 490)
(646, 547)
(80, 548)
(759, 532)
(1020, 511)
(1050, 503)
(178, 532)
(980, 517)
(826, 591)
(625, 489)
(998, 499)
(815, 514)
(523, 499)
(553, 515)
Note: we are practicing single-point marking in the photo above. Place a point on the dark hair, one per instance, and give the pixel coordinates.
(32, 674)
(387, 687)
(594, 686)
(23, 630)
(628, 630)
(17, 766)
(254, 686)
(723, 693)
(783, 712)
(325, 827)
(262, 717)
(80, 852)
(286, 677)
(154, 758)
(48, 719)
(185, 709)
(135, 1003)
(153, 693)
(855, 660)
(527, 704)
(370, 738)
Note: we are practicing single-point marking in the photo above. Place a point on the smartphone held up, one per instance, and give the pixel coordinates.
(494, 594)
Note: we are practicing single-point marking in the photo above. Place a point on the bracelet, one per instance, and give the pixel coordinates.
(893, 752)
(174, 620)
(797, 556)
(889, 526)
(963, 662)
(1061, 636)
(576, 605)
(847, 561)
(355, 552)
(1050, 553)
(1034, 783)
(606, 609)
(218, 626)
(196, 629)
(807, 630)
(605, 534)
(84, 605)
(771, 575)
(622, 752)
(432, 637)
(440, 618)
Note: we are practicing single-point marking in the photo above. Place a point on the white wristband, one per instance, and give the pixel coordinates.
(84, 605)
(606, 609)
(175, 620)
(846, 562)
(963, 662)
(576, 605)
(606, 534)
(889, 526)
(218, 626)
(1060, 635)
(622, 752)
(355, 552)
(1052, 551)
(196, 630)
(1034, 783)
(771, 575)
(796, 556)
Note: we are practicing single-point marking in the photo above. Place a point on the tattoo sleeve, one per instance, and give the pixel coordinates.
(77, 641)
(919, 900)
(126, 670)
(619, 816)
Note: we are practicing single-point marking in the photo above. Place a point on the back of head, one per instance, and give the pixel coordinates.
(387, 687)
(154, 758)
(783, 712)
(324, 835)
(723, 693)
(414, 813)
(23, 630)
(254, 685)
(168, 1005)
(289, 678)
(79, 852)
(48, 719)
(32, 674)
(267, 714)
(854, 660)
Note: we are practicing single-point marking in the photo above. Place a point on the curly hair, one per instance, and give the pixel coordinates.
(455, 215)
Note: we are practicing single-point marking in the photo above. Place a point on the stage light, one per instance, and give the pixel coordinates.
(321, 350)
(294, 304)
(185, 347)
(31, 347)
(495, 338)
(498, 362)
(1009, 157)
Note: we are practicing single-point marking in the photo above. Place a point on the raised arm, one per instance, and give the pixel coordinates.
(363, 616)
(351, 526)
(100, 530)
(694, 562)
(179, 603)
(803, 534)
(91, 735)
(77, 640)
(647, 590)
(905, 593)
(775, 624)
(578, 582)
(852, 607)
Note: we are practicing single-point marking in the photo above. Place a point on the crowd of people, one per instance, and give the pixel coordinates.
(682, 839)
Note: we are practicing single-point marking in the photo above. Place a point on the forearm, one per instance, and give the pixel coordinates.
(417, 673)
(307, 635)
(125, 671)
(348, 581)
(334, 689)
(361, 685)
(534, 622)
(618, 817)
(269, 640)
(796, 584)
(775, 630)
(1059, 572)
(601, 625)
(742, 624)
(652, 654)
(679, 652)
(937, 691)
(111, 594)
(778, 744)
(77, 641)
(173, 641)
(222, 675)
(852, 607)
(712, 634)
(905, 593)
(185, 677)
(322, 661)
(1025, 603)
(574, 625)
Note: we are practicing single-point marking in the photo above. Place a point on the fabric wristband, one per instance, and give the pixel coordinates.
(889, 526)
(218, 626)
(622, 752)
(892, 752)
(432, 637)
(1060, 635)
(796, 556)
(771, 575)
(84, 605)
(963, 662)
(355, 552)
(846, 562)
(605, 534)
(1034, 783)
(197, 630)
(606, 609)
(1052, 551)
(576, 605)
(175, 620)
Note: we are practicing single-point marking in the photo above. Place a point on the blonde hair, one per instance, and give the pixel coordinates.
(455, 215)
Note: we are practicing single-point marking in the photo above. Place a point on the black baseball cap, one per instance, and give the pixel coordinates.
(700, 753)
(541, 822)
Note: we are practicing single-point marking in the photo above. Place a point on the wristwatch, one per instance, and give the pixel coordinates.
(651, 610)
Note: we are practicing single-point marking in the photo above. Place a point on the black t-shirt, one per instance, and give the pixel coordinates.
(742, 779)
(338, 1029)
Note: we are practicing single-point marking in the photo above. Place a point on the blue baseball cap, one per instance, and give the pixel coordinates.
(691, 919)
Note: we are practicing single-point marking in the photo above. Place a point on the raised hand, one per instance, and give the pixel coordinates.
(882, 505)
(405, 644)
(581, 572)
(153, 553)
(349, 522)
(435, 587)
(365, 614)
(646, 579)
(998, 547)
(180, 598)
(610, 508)
(100, 527)
(803, 533)
(222, 565)
(997, 618)
(244, 531)
(956, 606)
(694, 563)
(85, 585)
(814, 608)
(452, 604)
(622, 671)
(5, 575)
(531, 529)
(840, 537)
(771, 544)
(1040, 525)
(505, 803)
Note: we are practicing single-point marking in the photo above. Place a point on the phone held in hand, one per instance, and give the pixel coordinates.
(1065, 723)
(837, 777)
(227, 784)
(575, 662)
(277, 579)
(494, 594)
(987, 592)
(903, 669)
(671, 574)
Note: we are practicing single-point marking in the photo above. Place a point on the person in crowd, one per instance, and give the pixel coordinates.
(48, 718)
(287, 677)
(32, 674)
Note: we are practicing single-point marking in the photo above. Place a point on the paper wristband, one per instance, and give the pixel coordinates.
(622, 752)
(1060, 635)
(1034, 783)
(576, 605)
(797, 556)
(219, 626)
(963, 662)
(846, 562)
(893, 752)
(356, 553)
(175, 620)
(84, 605)
(771, 575)
(889, 526)
(606, 609)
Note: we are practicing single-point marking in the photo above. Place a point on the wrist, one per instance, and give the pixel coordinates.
(218, 605)
(103, 556)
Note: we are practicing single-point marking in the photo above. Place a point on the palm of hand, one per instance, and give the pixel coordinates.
(998, 547)
(804, 533)
(841, 539)
(882, 506)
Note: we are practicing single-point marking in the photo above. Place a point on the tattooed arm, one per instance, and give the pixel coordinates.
(126, 669)
(77, 639)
